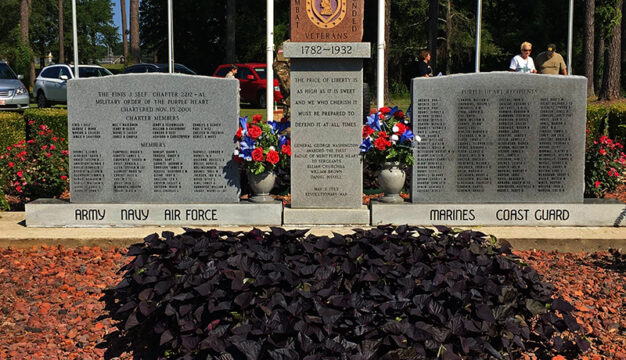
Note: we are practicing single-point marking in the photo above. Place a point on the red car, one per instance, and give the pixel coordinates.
(252, 82)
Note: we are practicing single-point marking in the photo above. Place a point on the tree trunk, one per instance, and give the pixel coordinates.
(231, 15)
(611, 87)
(386, 96)
(61, 34)
(124, 30)
(598, 61)
(24, 17)
(433, 27)
(588, 45)
(24, 14)
(135, 51)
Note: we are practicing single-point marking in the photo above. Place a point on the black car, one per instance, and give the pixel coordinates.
(162, 68)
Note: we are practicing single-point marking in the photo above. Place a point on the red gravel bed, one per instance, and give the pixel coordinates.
(50, 307)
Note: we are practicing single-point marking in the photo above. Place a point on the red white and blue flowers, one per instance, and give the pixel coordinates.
(262, 146)
(387, 137)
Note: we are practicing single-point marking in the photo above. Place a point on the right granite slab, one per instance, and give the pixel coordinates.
(499, 137)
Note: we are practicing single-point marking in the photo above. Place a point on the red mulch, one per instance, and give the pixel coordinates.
(50, 307)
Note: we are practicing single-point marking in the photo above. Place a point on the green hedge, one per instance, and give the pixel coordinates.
(56, 119)
(12, 129)
(610, 120)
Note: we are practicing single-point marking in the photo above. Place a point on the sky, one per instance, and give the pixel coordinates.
(117, 14)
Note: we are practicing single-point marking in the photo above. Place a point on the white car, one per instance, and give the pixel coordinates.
(13, 94)
(51, 84)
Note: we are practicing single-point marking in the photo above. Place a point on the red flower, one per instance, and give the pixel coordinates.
(382, 143)
(257, 154)
(52, 147)
(272, 157)
(44, 147)
(55, 138)
(256, 119)
(286, 149)
(598, 183)
(11, 164)
(31, 141)
(372, 111)
(237, 159)
(40, 133)
(602, 151)
(8, 148)
(254, 132)
(20, 174)
(18, 188)
(383, 134)
(398, 115)
(401, 128)
(385, 110)
(239, 133)
(48, 154)
(367, 131)
(63, 177)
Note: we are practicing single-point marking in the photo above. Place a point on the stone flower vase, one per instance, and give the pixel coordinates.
(261, 186)
(391, 179)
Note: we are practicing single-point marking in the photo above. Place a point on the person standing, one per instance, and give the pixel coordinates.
(423, 68)
(523, 62)
(550, 62)
(231, 74)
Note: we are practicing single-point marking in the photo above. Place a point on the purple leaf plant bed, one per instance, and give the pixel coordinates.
(384, 293)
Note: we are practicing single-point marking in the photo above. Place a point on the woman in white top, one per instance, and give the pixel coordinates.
(523, 62)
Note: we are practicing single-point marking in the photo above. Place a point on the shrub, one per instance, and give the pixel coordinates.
(12, 129)
(401, 293)
(605, 165)
(610, 120)
(37, 168)
(4, 204)
(54, 119)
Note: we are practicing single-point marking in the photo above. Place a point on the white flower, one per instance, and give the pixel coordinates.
(272, 148)
(248, 158)
(395, 128)
(394, 137)
(418, 138)
(245, 132)
(236, 152)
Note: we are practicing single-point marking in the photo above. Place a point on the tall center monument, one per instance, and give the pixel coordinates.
(327, 111)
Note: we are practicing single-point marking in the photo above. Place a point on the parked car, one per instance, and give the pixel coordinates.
(252, 82)
(51, 84)
(163, 68)
(13, 94)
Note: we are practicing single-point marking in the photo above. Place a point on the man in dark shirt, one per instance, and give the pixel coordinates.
(423, 68)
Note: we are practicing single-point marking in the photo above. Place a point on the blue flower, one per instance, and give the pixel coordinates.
(373, 122)
(393, 111)
(243, 122)
(366, 145)
(278, 127)
(409, 111)
(407, 135)
(246, 146)
(282, 141)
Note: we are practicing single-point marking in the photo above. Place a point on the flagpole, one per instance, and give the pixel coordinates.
(170, 36)
(269, 59)
(380, 72)
(75, 36)
(570, 37)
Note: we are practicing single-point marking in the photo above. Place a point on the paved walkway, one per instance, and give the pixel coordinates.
(13, 233)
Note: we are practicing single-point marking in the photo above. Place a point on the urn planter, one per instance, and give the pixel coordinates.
(391, 179)
(261, 185)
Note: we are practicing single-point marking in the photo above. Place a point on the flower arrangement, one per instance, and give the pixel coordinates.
(36, 168)
(387, 137)
(605, 166)
(262, 146)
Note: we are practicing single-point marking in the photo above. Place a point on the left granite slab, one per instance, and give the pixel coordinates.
(59, 213)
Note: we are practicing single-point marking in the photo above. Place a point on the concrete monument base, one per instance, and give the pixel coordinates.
(327, 216)
(59, 213)
(593, 212)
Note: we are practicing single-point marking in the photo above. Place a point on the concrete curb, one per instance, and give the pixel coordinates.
(14, 234)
